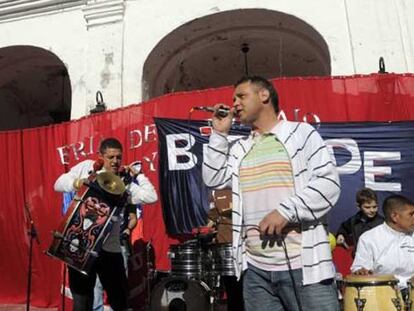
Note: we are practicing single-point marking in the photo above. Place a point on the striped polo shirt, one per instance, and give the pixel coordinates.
(266, 180)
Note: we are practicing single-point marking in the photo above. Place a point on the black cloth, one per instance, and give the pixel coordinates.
(234, 290)
(355, 226)
(110, 269)
(126, 238)
(129, 209)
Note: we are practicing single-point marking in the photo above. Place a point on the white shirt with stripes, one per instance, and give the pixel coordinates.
(266, 180)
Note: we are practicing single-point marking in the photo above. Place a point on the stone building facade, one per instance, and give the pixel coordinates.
(56, 54)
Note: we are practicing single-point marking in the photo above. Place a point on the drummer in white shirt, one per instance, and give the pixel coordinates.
(389, 248)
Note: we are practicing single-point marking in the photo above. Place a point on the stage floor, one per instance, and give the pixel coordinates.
(219, 307)
(23, 308)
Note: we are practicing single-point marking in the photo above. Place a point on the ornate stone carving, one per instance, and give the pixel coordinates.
(101, 12)
(17, 9)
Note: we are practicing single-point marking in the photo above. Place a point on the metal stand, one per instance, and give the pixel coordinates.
(150, 271)
(33, 235)
(63, 294)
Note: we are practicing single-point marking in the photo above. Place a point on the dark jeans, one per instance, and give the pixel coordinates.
(273, 291)
(111, 271)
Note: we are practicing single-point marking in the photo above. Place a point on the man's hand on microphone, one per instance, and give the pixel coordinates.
(222, 124)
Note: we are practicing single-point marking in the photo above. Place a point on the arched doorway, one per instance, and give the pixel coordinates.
(206, 52)
(35, 89)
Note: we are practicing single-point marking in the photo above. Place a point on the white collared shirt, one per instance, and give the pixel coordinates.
(144, 193)
(386, 251)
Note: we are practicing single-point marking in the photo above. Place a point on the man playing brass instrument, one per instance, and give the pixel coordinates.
(109, 265)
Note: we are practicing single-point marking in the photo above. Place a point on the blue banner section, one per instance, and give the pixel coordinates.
(67, 199)
(375, 155)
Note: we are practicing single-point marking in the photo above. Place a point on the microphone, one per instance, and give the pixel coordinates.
(221, 112)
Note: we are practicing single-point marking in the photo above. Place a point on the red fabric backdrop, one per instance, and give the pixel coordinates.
(30, 162)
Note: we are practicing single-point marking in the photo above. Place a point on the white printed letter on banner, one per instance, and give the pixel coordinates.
(179, 156)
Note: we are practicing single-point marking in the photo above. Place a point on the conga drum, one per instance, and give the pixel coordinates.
(372, 293)
(88, 222)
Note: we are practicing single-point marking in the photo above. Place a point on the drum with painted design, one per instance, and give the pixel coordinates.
(88, 222)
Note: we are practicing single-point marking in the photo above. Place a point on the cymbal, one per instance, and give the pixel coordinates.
(111, 183)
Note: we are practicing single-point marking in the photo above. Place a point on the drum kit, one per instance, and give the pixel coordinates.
(196, 265)
(194, 281)
(376, 293)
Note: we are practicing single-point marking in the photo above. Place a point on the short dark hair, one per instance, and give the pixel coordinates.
(109, 143)
(365, 195)
(264, 83)
(394, 202)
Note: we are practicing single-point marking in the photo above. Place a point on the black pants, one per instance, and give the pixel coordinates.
(111, 271)
(234, 291)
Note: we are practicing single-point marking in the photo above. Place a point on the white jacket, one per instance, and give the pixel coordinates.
(316, 183)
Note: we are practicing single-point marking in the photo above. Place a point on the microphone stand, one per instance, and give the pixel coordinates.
(150, 271)
(63, 294)
(33, 235)
(63, 290)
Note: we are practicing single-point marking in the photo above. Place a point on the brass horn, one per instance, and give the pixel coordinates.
(110, 183)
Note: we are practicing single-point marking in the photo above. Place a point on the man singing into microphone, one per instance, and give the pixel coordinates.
(109, 266)
(284, 183)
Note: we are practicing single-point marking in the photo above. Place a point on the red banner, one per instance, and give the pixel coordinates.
(33, 159)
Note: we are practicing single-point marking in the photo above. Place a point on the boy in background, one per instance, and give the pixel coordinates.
(365, 219)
